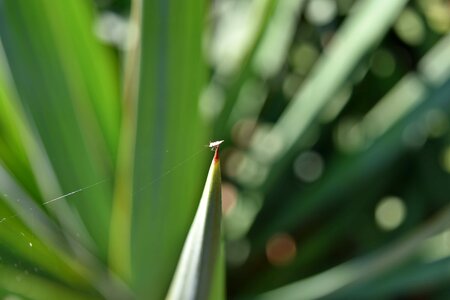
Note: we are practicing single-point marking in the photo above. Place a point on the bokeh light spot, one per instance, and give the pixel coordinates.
(232, 160)
(291, 84)
(114, 29)
(229, 197)
(410, 27)
(237, 252)
(321, 12)
(436, 122)
(390, 213)
(308, 166)
(348, 136)
(446, 159)
(242, 132)
(303, 58)
(281, 249)
(270, 141)
(414, 135)
(251, 172)
(383, 63)
(437, 13)
(238, 221)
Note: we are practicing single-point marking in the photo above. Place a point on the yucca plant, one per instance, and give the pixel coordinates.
(335, 161)
(77, 116)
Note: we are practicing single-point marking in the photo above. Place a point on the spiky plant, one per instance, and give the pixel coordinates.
(335, 161)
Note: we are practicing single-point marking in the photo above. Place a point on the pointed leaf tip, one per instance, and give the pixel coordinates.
(216, 154)
(215, 146)
(196, 267)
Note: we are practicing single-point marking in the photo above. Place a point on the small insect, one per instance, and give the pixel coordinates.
(215, 145)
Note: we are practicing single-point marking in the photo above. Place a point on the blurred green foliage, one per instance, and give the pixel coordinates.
(335, 116)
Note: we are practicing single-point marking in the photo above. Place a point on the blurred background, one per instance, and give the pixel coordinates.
(335, 165)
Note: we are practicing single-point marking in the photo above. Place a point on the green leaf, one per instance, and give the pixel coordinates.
(13, 152)
(168, 131)
(37, 287)
(361, 269)
(414, 277)
(67, 84)
(402, 107)
(120, 229)
(359, 34)
(194, 274)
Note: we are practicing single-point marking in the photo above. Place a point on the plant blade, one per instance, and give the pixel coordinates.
(73, 106)
(194, 273)
(357, 36)
(169, 132)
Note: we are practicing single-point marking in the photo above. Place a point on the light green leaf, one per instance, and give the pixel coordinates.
(67, 85)
(38, 288)
(194, 274)
(384, 138)
(360, 32)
